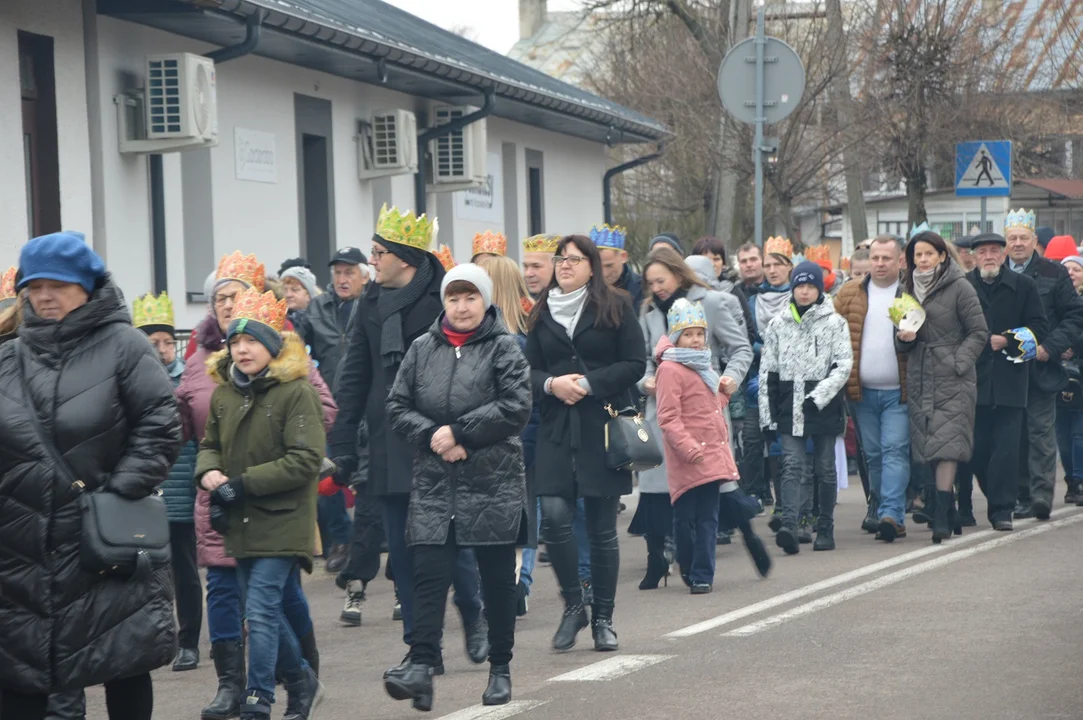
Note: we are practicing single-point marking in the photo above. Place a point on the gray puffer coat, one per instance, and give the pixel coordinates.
(941, 376)
(482, 391)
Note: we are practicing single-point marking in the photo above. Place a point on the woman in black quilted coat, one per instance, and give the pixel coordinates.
(106, 405)
(462, 396)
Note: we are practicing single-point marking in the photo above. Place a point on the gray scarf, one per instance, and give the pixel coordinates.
(769, 305)
(698, 360)
(567, 307)
(924, 282)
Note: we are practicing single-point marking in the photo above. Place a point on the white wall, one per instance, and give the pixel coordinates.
(63, 21)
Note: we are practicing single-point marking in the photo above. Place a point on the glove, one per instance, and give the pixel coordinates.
(328, 487)
(219, 519)
(345, 467)
(769, 435)
(809, 406)
(230, 493)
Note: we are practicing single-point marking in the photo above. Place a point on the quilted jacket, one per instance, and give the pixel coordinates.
(482, 390)
(852, 302)
(177, 490)
(941, 379)
(107, 406)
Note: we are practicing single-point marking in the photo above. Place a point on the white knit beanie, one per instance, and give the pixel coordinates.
(473, 274)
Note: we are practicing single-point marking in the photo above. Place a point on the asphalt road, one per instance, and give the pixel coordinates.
(984, 626)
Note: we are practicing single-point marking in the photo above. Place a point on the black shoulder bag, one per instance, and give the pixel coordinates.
(121, 537)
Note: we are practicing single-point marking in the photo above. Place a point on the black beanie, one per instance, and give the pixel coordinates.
(266, 334)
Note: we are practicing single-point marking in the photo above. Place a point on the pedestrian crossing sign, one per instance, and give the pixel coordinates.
(983, 168)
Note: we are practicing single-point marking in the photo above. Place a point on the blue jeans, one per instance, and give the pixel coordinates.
(334, 520)
(224, 604)
(884, 424)
(582, 539)
(465, 580)
(530, 557)
(271, 641)
(1070, 443)
(696, 519)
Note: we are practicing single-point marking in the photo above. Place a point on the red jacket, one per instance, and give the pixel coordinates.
(693, 427)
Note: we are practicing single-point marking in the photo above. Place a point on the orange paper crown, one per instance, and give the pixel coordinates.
(816, 253)
(7, 284)
(261, 307)
(778, 246)
(244, 268)
(443, 254)
(845, 264)
(490, 242)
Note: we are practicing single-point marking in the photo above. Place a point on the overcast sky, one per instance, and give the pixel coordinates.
(495, 23)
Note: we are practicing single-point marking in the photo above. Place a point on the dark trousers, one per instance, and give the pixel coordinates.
(996, 457)
(434, 569)
(1038, 448)
(465, 580)
(753, 476)
(333, 519)
(797, 480)
(600, 513)
(128, 699)
(186, 583)
(368, 533)
(696, 514)
(964, 487)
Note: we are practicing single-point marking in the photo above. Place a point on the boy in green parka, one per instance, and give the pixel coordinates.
(259, 459)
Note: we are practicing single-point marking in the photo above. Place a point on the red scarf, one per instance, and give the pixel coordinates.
(456, 338)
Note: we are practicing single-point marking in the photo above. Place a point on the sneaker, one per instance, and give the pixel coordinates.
(804, 530)
(396, 612)
(1071, 495)
(700, 588)
(1041, 509)
(775, 523)
(1022, 511)
(786, 538)
(351, 611)
(724, 537)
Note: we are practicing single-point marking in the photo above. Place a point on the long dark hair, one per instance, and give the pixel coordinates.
(608, 303)
(932, 239)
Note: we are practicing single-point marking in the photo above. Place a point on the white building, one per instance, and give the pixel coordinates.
(283, 179)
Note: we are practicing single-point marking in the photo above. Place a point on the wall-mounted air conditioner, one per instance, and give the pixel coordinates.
(458, 158)
(178, 106)
(387, 144)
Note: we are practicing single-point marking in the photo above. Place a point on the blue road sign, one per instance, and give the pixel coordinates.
(983, 168)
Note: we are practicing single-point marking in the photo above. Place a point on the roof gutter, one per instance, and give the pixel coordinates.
(607, 179)
(253, 30)
(424, 138)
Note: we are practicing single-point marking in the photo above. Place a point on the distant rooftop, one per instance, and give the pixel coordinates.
(565, 47)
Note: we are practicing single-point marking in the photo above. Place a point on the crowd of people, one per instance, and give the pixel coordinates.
(469, 414)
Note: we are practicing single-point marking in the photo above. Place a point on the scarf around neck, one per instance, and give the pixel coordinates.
(698, 360)
(566, 308)
(665, 305)
(770, 303)
(391, 306)
(924, 281)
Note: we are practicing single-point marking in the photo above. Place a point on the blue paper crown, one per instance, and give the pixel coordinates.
(1022, 345)
(1020, 219)
(608, 237)
(684, 314)
(918, 229)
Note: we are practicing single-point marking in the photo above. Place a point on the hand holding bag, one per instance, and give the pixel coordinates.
(628, 441)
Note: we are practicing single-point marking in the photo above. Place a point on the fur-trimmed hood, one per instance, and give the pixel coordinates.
(291, 364)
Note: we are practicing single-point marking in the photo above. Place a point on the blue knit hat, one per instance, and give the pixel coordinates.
(808, 273)
(62, 256)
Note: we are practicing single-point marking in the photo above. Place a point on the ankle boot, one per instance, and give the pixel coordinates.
(605, 638)
(499, 690)
(310, 652)
(413, 683)
(229, 664)
(942, 516)
(70, 705)
(573, 620)
(657, 567)
(303, 692)
(872, 517)
(825, 536)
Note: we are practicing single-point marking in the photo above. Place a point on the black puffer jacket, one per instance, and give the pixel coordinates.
(107, 406)
(482, 390)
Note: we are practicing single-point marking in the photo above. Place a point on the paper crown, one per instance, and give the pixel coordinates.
(150, 310)
(262, 307)
(684, 314)
(1022, 345)
(845, 264)
(406, 228)
(244, 268)
(778, 246)
(443, 254)
(1020, 219)
(918, 229)
(608, 237)
(906, 313)
(541, 243)
(7, 284)
(817, 253)
(490, 242)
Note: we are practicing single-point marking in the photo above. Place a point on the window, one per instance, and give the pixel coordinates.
(37, 81)
(535, 192)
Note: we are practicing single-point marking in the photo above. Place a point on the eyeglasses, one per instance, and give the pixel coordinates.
(377, 254)
(572, 260)
(220, 300)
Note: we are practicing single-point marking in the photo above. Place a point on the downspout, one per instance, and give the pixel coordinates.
(607, 179)
(157, 179)
(424, 138)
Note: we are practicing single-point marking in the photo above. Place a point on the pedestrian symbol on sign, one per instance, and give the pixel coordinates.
(985, 163)
(983, 168)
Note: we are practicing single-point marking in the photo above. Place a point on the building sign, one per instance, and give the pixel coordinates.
(486, 203)
(254, 157)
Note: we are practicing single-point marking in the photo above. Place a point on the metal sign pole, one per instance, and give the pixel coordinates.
(984, 200)
(757, 144)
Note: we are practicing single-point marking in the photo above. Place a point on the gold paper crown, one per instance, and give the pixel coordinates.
(7, 284)
(541, 243)
(406, 229)
(245, 268)
(150, 310)
(1020, 219)
(845, 264)
(490, 242)
(816, 253)
(778, 246)
(443, 254)
(261, 307)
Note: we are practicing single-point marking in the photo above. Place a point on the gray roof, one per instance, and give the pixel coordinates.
(371, 41)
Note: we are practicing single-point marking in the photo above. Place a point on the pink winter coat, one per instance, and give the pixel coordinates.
(194, 395)
(693, 427)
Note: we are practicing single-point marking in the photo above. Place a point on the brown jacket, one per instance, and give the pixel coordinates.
(852, 303)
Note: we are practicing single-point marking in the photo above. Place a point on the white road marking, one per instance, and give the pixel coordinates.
(494, 712)
(610, 668)
(899, 576)
(827, 584)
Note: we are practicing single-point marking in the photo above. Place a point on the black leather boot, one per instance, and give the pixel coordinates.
(413, 683)
(70, 705)
(605, 638)
(499, 690)
(657, 567)
(573, 620)
(187, 659)
(942, 516)
(310, 652)
(477, 640)
(303, 693)
(229, 664)
(872, 518)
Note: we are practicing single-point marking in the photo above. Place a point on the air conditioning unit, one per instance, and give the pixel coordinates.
(178, 106)
(387, 144)
(458, 158)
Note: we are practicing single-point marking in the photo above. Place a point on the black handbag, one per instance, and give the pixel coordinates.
(1071, 396)
(628, 441)
(121, 537)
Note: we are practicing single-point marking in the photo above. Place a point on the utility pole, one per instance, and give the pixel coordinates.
(840, 97)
